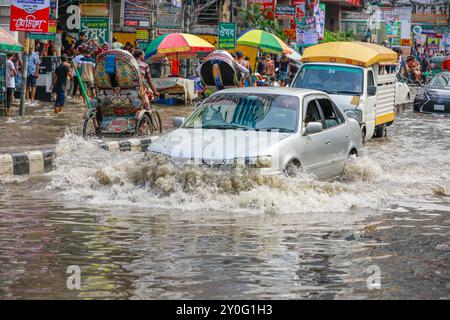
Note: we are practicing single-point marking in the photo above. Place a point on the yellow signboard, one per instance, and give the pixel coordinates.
(94, 9)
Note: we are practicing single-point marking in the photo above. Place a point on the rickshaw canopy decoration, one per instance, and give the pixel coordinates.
(265, 41)
(177, 45)
(8, 43)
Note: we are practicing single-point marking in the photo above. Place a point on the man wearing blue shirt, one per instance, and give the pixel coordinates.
(32, 74)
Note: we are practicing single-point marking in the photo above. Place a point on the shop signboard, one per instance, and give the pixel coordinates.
(284, 10)
(136, 14)
(30, 15)
(142, 38)
(169, 18)
(50, 35)
(227, 36)
(97, 27)
(95, 9)
(69, 16)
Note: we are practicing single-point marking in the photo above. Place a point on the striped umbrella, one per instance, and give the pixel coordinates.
(264, 41)
(8, 43)
(177, 45)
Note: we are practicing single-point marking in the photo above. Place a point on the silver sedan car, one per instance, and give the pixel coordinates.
(273, 129)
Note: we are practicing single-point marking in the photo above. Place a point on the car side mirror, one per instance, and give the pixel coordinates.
(371, 91)
(178, 122)
(313, 127)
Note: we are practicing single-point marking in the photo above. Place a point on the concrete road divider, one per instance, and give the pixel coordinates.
(30, 162)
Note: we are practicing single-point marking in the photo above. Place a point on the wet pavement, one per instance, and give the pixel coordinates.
(146, 230)
(41, 128)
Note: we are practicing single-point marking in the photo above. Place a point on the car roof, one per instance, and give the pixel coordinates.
(299, 92)
(438, 58)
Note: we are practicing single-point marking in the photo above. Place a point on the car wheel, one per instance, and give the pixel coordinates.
(363, 135)
(380, 132)
(352, 155)
(292, 168)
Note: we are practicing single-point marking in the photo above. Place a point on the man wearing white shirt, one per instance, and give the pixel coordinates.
(10, 82)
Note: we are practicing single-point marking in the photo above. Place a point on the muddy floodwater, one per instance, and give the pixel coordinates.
(139, 228)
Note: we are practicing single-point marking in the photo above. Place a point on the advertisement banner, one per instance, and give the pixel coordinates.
(169, 18)
(96, 9)
(392, 26)
(428, 14)
(50, 35)
(96, 28)
(69, 15)
(136, 14)
(227, 36)
(300, 9)
(306, 37)
(142, 38)
(30, 15)
(285, 11)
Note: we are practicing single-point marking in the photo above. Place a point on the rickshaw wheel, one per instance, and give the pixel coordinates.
(89, 128)
(144, 126)
(156, 121)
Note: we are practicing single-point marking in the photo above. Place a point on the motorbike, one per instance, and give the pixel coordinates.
(122, 100)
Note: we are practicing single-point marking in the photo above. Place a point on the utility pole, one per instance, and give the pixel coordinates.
(23, 86)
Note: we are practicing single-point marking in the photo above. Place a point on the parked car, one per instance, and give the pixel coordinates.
(436, 64)
(402, 92)
(273, 129)
(434, 97)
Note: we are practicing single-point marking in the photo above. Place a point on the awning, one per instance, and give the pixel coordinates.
(8, 43)
(357, 53)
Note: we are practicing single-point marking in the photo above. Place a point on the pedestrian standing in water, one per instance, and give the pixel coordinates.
(10, 82)
(269, 69)
(260, 66)
(32, 74)
(245, 76)
(284, 69)
(59, 84)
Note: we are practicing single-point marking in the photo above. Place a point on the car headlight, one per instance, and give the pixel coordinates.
(257, 162)
(263, 161)
(422, 95)
(355, 114)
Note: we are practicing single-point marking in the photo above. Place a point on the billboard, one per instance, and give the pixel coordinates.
(227, 36)
(30, 15)
(136, 14)
(169, 18)
(96, 28)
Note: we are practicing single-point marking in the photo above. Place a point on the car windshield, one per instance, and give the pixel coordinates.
(331, 79)
(247, 111)
(440, 81)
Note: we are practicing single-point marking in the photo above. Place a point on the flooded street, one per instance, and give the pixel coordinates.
(139, 228)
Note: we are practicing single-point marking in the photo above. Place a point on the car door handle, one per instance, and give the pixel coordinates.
(327, 142)
(347, 137)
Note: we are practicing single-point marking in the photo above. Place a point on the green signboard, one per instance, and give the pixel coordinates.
(227, 36)
(96, 28)
(42, 36)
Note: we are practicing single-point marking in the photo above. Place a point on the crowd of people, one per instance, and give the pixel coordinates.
(80, 54)
(417, 67)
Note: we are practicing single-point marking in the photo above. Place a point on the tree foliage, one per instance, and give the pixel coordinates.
(255, 18)
(330, 36)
